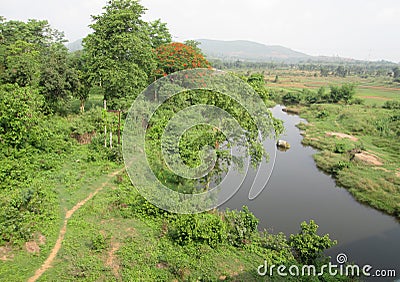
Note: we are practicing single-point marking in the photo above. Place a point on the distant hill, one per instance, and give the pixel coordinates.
(249, 51)
(235, 50)
(74, 46)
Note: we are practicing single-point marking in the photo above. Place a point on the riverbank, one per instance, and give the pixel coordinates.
(359, 147)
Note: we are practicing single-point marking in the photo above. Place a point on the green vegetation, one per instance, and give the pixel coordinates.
(59, 156)
(365, 160)
(116, 237)
(59, 152)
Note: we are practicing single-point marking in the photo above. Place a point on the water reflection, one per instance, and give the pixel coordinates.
(298, 191)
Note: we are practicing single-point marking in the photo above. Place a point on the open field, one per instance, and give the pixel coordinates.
(375, 91)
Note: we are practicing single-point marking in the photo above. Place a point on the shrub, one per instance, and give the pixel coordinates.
(310, 97)
(322, 114)
(340, 165)
(357, 101)
(340, 148)
(144, 208)
(21, 111)
(344, 93)
(393, 104)
(99, 243)
(291, 98)
(274, 242)
(307, 245)
(242, 225)
(199, 228)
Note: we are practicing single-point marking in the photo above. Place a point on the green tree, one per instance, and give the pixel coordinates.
(341, 71)
(33, 54)
(257, 82)
(347, 92)
(78, 77)
(308, 246)
(291, 98)
(20, 109)
(57, 80)
(324, 71)
(159, 33)
(22, 64)
(344, 93)
(119, 52)
(195, 45)
(396, 72)
(33, 31)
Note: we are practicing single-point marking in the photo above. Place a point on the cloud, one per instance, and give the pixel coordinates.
(359, 28)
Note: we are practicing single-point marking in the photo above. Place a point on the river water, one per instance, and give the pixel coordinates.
(298, 191)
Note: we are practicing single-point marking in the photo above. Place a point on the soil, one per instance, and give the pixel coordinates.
(342, 135)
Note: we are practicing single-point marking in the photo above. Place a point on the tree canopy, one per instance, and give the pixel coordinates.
(119, 51)
(32, 54)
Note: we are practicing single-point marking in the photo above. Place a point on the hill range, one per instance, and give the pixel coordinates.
(249, 51)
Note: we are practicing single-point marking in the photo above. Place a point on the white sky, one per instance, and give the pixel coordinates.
(360, 29)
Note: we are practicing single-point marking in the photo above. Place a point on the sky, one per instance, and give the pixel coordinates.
(359, 29)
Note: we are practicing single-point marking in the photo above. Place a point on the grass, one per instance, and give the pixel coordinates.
(101, 244)
(377, 96)
(377, 186)
(374, 90)
(72, 183)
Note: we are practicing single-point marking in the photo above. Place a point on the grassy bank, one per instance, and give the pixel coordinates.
(365, 160)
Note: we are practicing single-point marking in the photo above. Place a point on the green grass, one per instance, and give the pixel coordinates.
(374, 90)
(377, 96)
(142, 252)
(72, 182)
(377, 186)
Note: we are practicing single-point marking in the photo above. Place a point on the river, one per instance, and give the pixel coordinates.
(298, 191)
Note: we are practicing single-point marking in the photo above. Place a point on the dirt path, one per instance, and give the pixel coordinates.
(48, 262)
(112, 261)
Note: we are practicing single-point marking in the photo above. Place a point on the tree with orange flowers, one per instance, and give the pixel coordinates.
(175, 57)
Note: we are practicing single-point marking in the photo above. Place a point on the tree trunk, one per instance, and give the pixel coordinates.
(105, 125)
(82, 106)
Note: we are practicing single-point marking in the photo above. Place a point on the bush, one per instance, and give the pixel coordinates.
(199, 228)
(144, 208)
(344, 93)
(242, 225)
(20, 113)
(341, 148)
(391, 105)
(322, 114)
(99, 243)
(90, 121)
(340, 165)
(274, 242)
(307, 245)
(357, 101)
(291, 98)
(311, 97)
